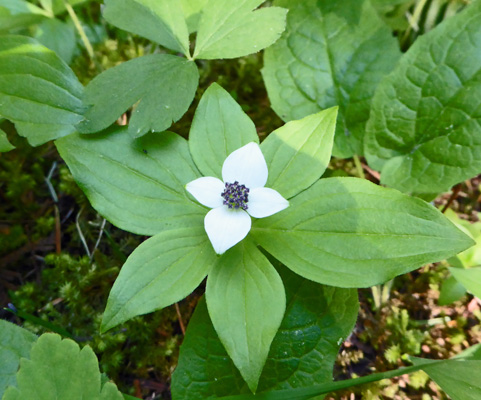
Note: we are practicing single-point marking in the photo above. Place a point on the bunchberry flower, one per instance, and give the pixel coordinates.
(240, 196)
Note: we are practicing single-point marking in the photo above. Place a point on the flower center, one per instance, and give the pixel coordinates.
(235, 195)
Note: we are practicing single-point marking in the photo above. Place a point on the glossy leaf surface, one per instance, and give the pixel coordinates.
(424, 132)
(332, 53)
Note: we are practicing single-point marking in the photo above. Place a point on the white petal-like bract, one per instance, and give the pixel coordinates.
(225, 227)
(246, 165)
(264, 202)
(207, 191)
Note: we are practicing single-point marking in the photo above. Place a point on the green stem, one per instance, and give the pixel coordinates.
(80, 30)
(359, 169)
(39, 321)
(414, 20)
(310, 392)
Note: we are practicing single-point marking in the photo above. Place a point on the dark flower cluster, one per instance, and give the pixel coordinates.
(235, 195)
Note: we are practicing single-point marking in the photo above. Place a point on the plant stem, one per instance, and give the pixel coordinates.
(80, 30)
(359, 169)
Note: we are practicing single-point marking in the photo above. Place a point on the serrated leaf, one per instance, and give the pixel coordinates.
(139, 186)
(302, 353)
(470, 278)
(348, 232)
(162, 270)
(246, 301)
(5, 145)
(164, 86)
(54, 107)
(219, 127)
(59, 37)
(15, 343)
(18, 14)
(298, 152)
(424, 130)
(58, 369)
(161, 21)
(332, 53)
(230, 29)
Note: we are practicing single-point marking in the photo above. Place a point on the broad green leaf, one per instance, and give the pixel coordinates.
(219, 127)
(348, 232)
(59, 37)
(459, 378)
(332, 53)
(161, 21)
(424, 131)
(19, 14)
(470, 278)
(58, 369)
(298, 153)
(469, 358)
(54, 107)
(451, 291)
(230, 29)
(162, 270)
(317, 318)
(204, 369)
(15, 342)
(246, 301)
(163, 85)
(138, 188)
(192, 12)
(5, 145)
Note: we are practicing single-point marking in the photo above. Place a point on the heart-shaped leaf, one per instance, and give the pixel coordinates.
(424, 132)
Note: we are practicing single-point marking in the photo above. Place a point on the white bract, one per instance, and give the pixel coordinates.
(240, 196)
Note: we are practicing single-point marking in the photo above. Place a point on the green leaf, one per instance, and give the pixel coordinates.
(139, 188)
(348, 232)
(246, 301)
(230, 29)
(192, 12)
(162, 270)
(471, 354)
(332, 53)
(161, 21)
(459, 378)
(15, 342)
(316, 319)
(451, 291)
(59, 37)
(18, 14)
(54, 107)
(164, 86)
(219, 127)
(298, 153)
(58, 369)
(470, 278)
(425, 128)
(5, 145)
